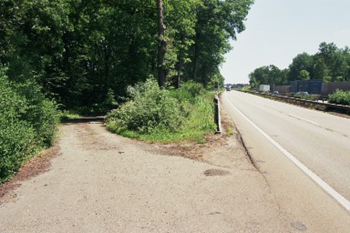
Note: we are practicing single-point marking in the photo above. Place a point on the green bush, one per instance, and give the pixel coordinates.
(28, 122)
(159, 115)
(41, 113)
(150, 110)
(17, 142)
(189, 91)
(340, 97)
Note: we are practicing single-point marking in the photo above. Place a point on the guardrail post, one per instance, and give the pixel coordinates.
(217, 114)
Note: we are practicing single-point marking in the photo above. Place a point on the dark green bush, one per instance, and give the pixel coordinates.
(151, 109)
(27, 122)
(340, 97)
(40, 113)
(17, 142)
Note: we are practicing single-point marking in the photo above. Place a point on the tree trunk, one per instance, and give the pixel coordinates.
(180, 63)
(195, 57)
(161, 44)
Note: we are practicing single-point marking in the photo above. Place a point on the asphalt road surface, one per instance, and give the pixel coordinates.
(101, 182)
(105, 183)
(296, 148)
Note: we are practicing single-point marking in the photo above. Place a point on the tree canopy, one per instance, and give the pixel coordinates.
(83, 51)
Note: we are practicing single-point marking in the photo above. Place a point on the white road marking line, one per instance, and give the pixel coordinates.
(303, 119)
(337, 196)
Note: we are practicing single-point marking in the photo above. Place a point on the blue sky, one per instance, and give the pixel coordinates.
(278, 30)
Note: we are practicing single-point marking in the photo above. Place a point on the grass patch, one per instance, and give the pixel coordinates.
(229, 132)
(68, 115)
(154, 115)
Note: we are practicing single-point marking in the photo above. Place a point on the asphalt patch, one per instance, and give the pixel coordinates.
(216, 172)
(299, 226)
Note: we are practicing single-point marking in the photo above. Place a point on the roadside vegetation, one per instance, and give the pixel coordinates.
(28, 123)
(68, 115)
(340, 97)
(157, 115)
(84, 55)
(306, 96)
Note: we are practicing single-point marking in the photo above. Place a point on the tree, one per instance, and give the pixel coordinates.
(304, 75)
(161, 44)
(301, 62)
(85, 53)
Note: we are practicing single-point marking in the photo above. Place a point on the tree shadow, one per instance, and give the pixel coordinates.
(82, 120)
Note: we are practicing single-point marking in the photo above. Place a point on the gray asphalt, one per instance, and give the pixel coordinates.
(319, 140)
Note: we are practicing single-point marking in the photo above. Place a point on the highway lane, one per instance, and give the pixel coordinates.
(318, 140)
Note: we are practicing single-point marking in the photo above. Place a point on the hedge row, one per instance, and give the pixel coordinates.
(28, 122)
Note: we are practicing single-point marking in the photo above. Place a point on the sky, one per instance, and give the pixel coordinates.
(278, 30)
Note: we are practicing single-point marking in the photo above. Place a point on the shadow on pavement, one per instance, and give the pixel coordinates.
(94, 119)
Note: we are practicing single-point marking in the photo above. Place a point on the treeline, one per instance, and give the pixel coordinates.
(86, 52)
(329, 64)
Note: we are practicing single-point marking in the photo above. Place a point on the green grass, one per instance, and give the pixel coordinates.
(68, 115)
(229, 132)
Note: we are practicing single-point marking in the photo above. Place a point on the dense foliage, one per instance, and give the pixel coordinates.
(164, 115)
(330, 64)
(85, 52)
(27, 120)
(340, 97)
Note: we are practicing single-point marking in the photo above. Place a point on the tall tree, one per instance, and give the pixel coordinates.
(161, 44)
(84, 53)
(301, 62)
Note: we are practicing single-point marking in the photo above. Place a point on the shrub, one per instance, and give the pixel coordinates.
(41, 113)
(16, 136)
(151, 109)
(28, 122)
(340, 97)
(189, 91)
(17, 142)
(158, 115)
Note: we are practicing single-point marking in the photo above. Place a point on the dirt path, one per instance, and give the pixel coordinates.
(105, 183)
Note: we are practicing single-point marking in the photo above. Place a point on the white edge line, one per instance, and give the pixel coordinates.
(337, 196)
(303, 119)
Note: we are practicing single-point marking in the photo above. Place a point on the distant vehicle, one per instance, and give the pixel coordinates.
(275, 92)
(301, 94)
(228, 88)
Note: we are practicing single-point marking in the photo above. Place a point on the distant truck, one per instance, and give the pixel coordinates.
(264, 88)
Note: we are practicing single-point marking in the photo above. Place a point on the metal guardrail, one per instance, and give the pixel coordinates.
(328, 105)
